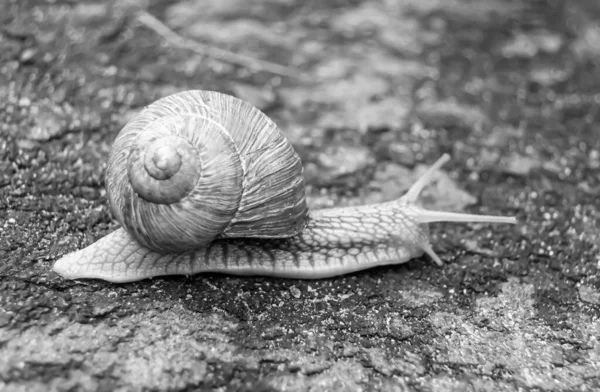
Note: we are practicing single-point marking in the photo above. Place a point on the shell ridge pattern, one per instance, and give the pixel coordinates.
(219, 126)
(274, 192)
(199, 101)
(225, 133)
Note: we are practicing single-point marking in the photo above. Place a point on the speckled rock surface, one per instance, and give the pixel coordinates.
(509, 88)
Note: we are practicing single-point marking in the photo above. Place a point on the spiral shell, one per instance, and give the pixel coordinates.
(200, 165)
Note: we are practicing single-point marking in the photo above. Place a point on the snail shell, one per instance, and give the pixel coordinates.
(201, 165)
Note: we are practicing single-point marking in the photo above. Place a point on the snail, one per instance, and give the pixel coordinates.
(201, 181)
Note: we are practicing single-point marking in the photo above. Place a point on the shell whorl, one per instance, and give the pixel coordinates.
(200, 165)
(163, 169)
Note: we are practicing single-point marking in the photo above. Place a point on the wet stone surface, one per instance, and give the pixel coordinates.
(373, 92)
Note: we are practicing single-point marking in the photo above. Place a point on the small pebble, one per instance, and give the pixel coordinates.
(296, 293)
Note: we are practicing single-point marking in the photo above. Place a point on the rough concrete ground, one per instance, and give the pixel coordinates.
(509, 88)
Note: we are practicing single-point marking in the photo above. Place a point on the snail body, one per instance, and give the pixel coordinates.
(204, 182)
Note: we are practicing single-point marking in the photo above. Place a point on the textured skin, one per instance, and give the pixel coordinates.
(335, 241)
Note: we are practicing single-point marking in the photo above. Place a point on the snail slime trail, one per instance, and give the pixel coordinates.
(186, 179)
